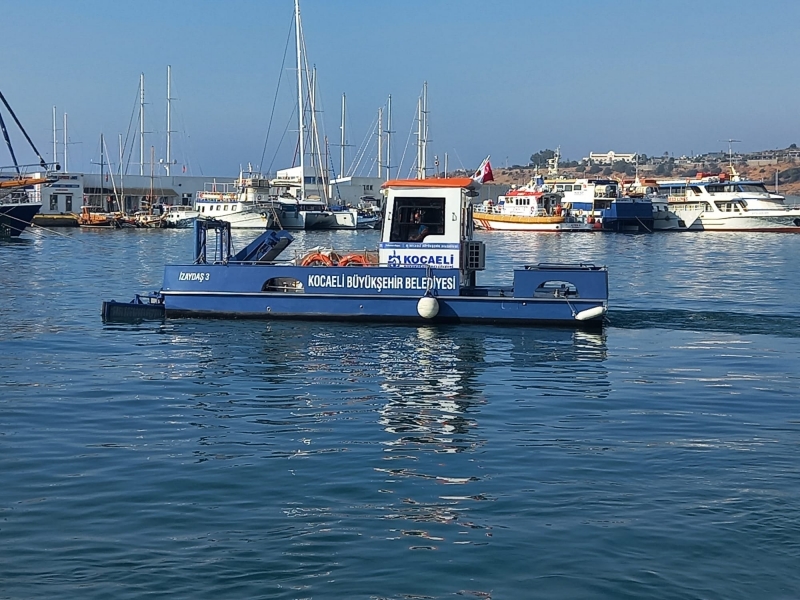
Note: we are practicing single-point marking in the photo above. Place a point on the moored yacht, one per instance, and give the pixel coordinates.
(17, 204)
(602, 201)
(17, 209)
(244, 204)
(664, 218)
(180, 217)
(720, 203)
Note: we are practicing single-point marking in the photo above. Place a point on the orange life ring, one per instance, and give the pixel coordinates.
(316, 259)
(354, 259)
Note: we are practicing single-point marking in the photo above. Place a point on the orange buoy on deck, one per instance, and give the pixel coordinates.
(316, 259)
(358, 260)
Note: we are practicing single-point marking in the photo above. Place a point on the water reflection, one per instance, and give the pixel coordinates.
(434, 393)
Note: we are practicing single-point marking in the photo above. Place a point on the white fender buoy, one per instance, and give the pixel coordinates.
(428, 307)
(590, 313)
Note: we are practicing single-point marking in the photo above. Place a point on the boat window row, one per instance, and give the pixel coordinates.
(729, 188)
(219, 207)
(729, 206)
(673, 191)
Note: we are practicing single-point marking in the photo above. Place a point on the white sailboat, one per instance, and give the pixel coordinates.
(303, 201)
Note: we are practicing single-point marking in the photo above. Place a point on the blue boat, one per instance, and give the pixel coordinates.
(424, 271)
(601, 201)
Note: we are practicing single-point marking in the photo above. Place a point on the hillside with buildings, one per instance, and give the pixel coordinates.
(759, 166)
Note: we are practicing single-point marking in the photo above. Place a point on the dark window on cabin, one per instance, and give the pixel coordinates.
(53, 201)
(405, 226)
(68, 203)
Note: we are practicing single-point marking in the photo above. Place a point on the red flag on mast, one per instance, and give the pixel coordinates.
(484, 172)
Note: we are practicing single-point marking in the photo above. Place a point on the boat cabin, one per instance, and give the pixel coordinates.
(586, 194)
(428, 222)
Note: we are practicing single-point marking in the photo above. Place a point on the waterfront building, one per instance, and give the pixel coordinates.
(609, 158)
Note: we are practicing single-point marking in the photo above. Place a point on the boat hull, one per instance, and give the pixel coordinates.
(385, 309)
(490, 221)
(768, 221)
(379, 294)
(16, 217)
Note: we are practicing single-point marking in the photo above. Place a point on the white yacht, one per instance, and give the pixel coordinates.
(180, 217)
(290, 213)
(720, 203)
(348, 217)
(244, 204)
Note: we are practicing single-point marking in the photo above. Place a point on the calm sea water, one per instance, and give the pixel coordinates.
(240, 459)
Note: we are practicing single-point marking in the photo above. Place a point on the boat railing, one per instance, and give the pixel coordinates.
(561, 266)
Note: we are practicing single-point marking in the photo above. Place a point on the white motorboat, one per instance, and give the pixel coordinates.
(244, 204)
(290, 213)
(180, 217)
(348, 217)
(720, 203)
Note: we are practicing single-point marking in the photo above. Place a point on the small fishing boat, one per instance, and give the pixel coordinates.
(425, 270)
(89, 219)
(529, 208)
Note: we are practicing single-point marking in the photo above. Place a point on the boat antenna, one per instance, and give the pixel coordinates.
(25, 133)
(730, 154)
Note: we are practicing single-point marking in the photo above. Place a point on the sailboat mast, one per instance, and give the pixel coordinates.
(425, 130)
(65, 143)
(169, 115)
(341, 146)
(152, 166)
(300, 115)
(102, 159)
(55, 137)
(141, 124)
(389, 138)
(420, 172)
(380, 142)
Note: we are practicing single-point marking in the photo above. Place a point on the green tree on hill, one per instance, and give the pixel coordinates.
(619, 166)
(541, 157)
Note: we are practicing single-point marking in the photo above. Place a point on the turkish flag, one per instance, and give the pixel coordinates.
(484, 172)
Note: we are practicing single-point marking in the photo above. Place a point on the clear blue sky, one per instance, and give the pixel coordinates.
(505, 77)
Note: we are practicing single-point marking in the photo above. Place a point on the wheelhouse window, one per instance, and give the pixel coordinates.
(416, 218)
(757, 188)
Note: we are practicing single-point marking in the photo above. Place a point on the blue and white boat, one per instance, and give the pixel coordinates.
(424, 271)
(601, 201)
